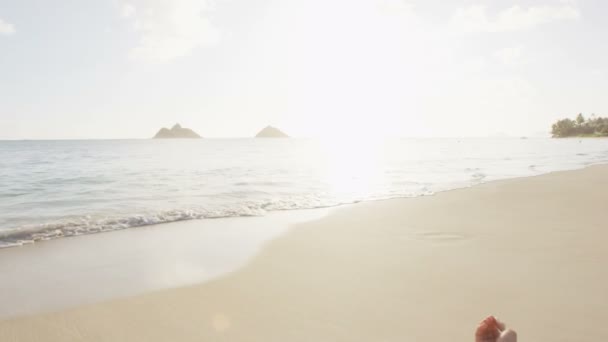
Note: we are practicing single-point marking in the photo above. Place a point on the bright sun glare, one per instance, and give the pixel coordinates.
(353, 168)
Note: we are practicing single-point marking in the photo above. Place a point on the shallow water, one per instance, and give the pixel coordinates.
(52, 189)
(67, 273)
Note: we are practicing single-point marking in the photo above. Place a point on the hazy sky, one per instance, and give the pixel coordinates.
(226, 68)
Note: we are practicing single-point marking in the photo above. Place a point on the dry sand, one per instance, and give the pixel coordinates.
(532, 251)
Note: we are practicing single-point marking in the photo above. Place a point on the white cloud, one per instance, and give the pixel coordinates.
(169, 28)
(127, 10)
(6, 28)
(510, 55)
(476, 19)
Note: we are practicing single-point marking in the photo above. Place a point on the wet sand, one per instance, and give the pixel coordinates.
(531, 251)
(66, 273)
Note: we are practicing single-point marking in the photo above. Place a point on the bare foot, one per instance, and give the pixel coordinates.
(493, 330)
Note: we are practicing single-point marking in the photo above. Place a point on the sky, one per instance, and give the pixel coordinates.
(314, 68)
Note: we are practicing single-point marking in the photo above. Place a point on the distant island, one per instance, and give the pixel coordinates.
(579, 127)
(176, 132)
(271, 132)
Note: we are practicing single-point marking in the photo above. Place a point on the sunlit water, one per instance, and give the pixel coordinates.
(52, 189)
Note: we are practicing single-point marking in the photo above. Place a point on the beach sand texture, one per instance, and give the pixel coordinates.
(531, 251)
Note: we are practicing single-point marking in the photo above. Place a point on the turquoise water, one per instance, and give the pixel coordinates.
(52, 189)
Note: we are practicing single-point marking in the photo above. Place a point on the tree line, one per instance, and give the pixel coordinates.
(580, 127)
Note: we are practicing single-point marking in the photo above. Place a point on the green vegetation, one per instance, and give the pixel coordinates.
(579, 127)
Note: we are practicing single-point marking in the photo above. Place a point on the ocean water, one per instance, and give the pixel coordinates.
(54, 189)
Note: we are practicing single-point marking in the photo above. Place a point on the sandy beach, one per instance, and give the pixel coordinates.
(529, 250)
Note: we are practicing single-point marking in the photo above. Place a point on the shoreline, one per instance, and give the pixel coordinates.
(4, 244)
(132, 262)
(527, 249)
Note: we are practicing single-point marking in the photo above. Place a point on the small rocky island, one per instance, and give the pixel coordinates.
(176, 132)
(271, 132)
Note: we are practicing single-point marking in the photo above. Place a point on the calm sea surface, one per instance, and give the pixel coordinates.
(52, 189)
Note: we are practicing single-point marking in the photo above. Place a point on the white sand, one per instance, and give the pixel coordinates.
(531, 251)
